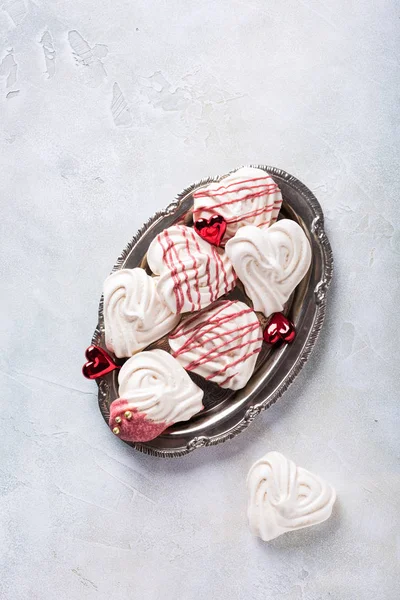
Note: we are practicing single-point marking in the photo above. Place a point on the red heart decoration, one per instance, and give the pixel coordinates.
(279, 328)
(99, 363)
(212, 230)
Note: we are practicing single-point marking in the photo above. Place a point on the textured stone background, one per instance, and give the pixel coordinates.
(107, 110)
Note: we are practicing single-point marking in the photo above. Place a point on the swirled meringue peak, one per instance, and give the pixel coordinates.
(192, 273)
(134, 315)
(155, 392)
(283, 497)
(221, 343)
(249, 196)
(270, 262)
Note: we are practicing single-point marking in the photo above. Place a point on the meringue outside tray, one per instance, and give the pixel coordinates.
(229, 412)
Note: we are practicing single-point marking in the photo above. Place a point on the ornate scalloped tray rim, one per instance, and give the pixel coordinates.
(320, 292)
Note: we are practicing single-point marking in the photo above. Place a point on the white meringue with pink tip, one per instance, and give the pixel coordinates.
(154, 392)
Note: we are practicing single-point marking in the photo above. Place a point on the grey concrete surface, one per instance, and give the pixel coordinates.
(107, 110)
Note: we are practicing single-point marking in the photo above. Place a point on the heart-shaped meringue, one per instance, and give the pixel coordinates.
(155, 392)
(212, 230)
(221, 343)
(270, 262)
(192, 273)
(134, 315)
(249, 196)
(283, 497)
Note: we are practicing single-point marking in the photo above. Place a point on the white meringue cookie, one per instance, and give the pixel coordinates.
(283, 497)
(221, 343)
(134, 315)
(155, 392)
(192, 273)
(270, 262)
(249, 196)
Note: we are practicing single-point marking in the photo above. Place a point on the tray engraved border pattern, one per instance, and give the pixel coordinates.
(306, 309)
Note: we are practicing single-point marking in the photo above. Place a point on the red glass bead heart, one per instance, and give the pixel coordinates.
(279, 328)
(99, 363)
(212, 230)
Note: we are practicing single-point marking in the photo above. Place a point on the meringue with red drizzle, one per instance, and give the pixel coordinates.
(192, 273)
(221, 343)
(154, 392)
(249, 196)
(283, 497)
(270, 262)
(134, 315)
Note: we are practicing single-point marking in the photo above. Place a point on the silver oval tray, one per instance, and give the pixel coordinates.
(227, 412)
